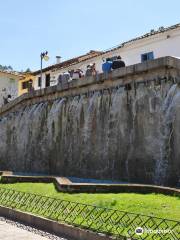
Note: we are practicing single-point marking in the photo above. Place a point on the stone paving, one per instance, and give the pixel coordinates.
(10, 230)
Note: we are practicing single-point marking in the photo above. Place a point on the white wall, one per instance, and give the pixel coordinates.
(54, 74)
(159, 44)
(8, 85)
(131, 52)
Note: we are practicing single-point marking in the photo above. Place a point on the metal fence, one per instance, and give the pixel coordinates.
(99, 219)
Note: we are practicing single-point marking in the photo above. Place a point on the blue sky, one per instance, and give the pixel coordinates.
(73, 27)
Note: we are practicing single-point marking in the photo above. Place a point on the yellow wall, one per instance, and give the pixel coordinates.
(26, 78)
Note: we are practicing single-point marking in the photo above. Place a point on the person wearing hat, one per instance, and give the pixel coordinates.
(106, 66)
(118, 63)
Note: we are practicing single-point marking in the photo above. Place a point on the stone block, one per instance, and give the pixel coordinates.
(140, 67)
(156, 63)
(121, 72)
(59, 87)
(130, 70)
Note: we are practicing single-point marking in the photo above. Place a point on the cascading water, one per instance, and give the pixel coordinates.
(106, 134)
(166, 133)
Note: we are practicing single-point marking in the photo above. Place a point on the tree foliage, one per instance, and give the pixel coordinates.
(5, 68)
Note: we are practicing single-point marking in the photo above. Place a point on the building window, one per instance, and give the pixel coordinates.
(147, 56)
(39, 81)
(25, 85)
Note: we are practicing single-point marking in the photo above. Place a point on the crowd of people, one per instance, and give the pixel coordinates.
(112, 64)
(77, 74)
(109, 65)
(70, 75)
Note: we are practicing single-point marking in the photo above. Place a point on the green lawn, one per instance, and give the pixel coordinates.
(149, 204)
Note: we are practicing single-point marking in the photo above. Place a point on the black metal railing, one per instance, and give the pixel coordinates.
(99, 219)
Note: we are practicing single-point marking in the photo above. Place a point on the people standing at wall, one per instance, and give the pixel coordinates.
(64, 79)
(88, 71)
(91, 70)
(7, 99)
(106, 66)
(66, 76)
(78, 73)
(71, 74)
(94, 71)
(30, 86)
(118, 63)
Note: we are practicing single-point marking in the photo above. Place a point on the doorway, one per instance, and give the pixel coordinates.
(47, 80)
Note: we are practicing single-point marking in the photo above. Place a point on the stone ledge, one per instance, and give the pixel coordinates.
(116, 188)
(70, 187)
(116, 77)
(59, 229)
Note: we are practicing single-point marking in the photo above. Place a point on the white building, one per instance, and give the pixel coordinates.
(155, 44)
(8, 85)
(50, 74)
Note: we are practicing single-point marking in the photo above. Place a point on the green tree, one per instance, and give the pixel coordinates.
(6, 68)
(28, 70)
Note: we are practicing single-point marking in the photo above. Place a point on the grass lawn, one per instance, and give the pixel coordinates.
(149, 204)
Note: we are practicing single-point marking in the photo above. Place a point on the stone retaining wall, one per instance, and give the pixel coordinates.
(93, 188)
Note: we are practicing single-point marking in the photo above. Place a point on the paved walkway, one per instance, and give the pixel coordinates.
(10, 230)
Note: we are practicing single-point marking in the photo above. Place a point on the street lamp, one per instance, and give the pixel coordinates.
(44, 55)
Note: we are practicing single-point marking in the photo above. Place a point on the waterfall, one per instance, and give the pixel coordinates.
(166, 132)
(103, 134)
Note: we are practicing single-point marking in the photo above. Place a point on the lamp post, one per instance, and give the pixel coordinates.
(44, 55)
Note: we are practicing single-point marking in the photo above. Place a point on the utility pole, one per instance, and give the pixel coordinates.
(44, 55)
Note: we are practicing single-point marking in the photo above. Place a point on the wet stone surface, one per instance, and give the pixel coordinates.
(131, 137)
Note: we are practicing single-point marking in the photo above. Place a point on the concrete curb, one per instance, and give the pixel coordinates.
(117, 188)
(59, 229)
